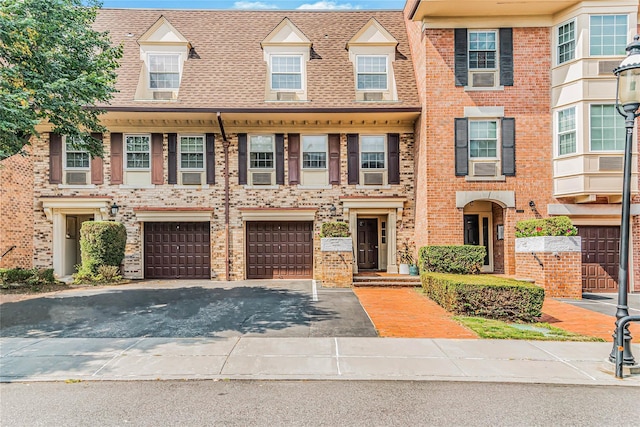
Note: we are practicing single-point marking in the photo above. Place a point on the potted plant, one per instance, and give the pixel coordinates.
(407, 262)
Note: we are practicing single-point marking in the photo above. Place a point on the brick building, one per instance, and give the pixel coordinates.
(519, 122)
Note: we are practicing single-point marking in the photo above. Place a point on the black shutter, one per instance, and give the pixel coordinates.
(461, 61)
(334, 158)
(172, 158)
(508, 146)
(294, 158)
(462, 147)
(242, 159)
(353, 154)
(393, 142)
(506, 56)
(280, 158)
(210, 158)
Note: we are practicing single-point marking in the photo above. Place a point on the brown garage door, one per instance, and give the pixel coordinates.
(600, 258)
(176, 250)
(279, 250)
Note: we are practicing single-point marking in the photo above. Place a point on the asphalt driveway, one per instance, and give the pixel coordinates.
(184, 309)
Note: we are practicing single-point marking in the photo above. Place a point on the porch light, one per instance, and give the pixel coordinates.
(332, 210)
(114, 209)
(627, 104)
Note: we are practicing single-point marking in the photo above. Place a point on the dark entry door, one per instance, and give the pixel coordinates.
(367, 244)
(600, 258)
(176, 250)
(472, 233)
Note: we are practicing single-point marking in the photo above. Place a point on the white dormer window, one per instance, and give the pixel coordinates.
(286, 72)
(371, 72)
(164, 71)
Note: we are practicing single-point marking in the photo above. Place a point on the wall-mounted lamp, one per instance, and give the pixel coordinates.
(532, 205)
(332, 210)
(114, 209)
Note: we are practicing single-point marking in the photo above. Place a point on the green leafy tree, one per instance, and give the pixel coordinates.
(53, 67)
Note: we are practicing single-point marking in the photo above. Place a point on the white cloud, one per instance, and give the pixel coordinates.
(327, 5)
(253, 5)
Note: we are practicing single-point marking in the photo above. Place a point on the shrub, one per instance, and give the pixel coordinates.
(461, 259)
(26, 277)
(101, 243)
(554, 226)
(335, 229)
(16, 275)
(485, 296)
(108, 273)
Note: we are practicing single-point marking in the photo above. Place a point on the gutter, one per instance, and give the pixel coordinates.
(146, 109)
(225, 145)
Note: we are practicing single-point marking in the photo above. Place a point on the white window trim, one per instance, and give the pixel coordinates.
(387, 73)
(591, 150)
(64, 159)
(126, 152)
(303, 76)
(326, 152)
(589, 38)
(164, 89)
(558, 133)
(204, 153)
(249, 151)
(557, 41)
(497, 50)
(386, 154)
(498, 122)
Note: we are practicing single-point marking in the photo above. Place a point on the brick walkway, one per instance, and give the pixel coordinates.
(582, 321)
(403, 312)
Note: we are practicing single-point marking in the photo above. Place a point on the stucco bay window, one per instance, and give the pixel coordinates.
(607, 35)
(566, 131)
(566, 42)
(606, 128)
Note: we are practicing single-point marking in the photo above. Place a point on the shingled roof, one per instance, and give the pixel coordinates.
(231, 71)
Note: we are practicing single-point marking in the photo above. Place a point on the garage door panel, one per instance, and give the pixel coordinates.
(282, 249)
(600, 258)
(177, 250)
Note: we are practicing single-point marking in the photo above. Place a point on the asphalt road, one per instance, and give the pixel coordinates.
(606, 303)
(184, 309)
(319, 403)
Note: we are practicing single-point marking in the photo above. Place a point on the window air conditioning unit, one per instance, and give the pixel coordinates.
(483, 79)
(165, 95)
(286, 96)
(191, 178)
(76, 178)
(484, 169)
(606, 67)
(373, 178)
(261, 178)
(373, 96)
(610, 164)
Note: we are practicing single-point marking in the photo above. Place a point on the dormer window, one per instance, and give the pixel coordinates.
(286, 72)
(371, 72)
(164, 71)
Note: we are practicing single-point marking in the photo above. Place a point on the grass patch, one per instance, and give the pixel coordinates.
(496, 329)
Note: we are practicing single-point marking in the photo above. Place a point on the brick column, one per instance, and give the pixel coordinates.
(336, 263)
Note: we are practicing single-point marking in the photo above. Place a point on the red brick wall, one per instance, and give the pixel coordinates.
(560, 275)
(16, 211)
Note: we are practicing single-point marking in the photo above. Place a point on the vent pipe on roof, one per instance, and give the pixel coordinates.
(225, 145)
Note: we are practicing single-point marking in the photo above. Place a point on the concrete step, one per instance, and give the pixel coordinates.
(387, 284)
(395, 281)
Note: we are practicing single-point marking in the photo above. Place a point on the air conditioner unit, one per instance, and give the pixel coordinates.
(191, 178)
(261, 178)
(373, 178)
(165, 95)
(373, 96)
(286, 96)
(76, 178)
(484, 169)
(483, 79)
(610, 164)
(605, 68)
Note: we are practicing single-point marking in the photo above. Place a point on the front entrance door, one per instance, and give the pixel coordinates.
(476, 232)
(367, 244)
(600, 258)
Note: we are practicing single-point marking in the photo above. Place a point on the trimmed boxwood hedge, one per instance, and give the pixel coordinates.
(101, 243)
(334, 229)
(485, 296)
(457, 259)
(554, 226)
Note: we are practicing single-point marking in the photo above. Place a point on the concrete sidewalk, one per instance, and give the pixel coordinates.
(125, 359)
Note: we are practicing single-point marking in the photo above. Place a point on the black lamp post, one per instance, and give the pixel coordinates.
(627, 104)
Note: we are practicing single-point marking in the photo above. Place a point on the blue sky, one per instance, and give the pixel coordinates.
(257, 4)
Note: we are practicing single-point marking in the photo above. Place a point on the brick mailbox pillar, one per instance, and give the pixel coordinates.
(554, 262)
(336, 262)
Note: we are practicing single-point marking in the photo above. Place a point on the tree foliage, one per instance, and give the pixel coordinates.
(53, 67)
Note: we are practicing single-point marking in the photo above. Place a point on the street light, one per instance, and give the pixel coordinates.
(627, 104)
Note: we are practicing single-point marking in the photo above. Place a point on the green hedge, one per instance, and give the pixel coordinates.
(464, 259)
(485, 296)
(335, 229)
(28, 277)
(101, 243)
(554, 226)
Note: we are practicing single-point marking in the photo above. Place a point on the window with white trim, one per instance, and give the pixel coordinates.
(607, 34)
(75, 156)
(566, 42)
(286, 72)
(164, 71)
(314, 151)
(483, 50)
(138, 152)
(192, 153)
(371, 72)
(261, 152)
(372, 152)
(567, 131)
(483, 139)
(606, 128)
